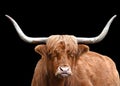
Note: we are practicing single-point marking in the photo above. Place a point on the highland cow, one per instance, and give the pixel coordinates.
(67, 61)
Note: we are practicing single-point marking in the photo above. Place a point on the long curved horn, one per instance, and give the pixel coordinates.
(98, 38)
(85, 40)
(23, 36)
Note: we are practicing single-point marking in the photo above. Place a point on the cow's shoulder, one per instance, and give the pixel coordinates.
(94, 56)
(93, 60)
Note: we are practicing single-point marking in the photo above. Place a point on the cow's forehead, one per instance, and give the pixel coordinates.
(56, 39)
(59, 41)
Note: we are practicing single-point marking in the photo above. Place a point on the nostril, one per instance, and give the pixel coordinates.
(61, 68)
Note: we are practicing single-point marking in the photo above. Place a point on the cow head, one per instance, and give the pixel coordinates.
(61, 53)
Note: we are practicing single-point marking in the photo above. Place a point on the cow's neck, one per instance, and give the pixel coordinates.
(55, 81)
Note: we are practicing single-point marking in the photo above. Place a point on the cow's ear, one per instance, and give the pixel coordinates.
(41, 49)
(82, 49)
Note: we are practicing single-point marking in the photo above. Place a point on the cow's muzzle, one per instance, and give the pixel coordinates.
(63, 71)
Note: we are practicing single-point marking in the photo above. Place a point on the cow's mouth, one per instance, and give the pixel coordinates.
(64, 75)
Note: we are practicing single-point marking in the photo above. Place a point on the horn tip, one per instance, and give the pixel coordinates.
(7, 16)
(115, 15)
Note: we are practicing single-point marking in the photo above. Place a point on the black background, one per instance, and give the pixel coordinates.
(39, 19)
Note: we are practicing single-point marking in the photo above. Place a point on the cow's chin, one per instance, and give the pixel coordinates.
(63, 75)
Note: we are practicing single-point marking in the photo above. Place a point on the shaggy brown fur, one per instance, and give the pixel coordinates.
(88, 68)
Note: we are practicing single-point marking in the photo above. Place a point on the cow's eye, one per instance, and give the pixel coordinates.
(71, 55)
(55, 55)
